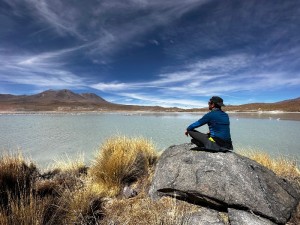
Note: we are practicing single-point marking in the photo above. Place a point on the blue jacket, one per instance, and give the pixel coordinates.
(218, 123)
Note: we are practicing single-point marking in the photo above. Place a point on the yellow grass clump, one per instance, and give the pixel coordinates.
(66, 164)
(16, 177)
(121, 161)
(83, 206)
(18, 204)
(27, 209)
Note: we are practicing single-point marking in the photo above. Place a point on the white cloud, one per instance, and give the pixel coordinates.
(107, 25)
(225, 75)
(45, 57)
(148, 99)
(110, 87)
(37, 71)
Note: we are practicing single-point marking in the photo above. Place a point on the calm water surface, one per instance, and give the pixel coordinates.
(46, 138)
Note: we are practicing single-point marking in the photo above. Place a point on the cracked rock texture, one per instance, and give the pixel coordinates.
(221, 181)
(204, 217)
(240, 217)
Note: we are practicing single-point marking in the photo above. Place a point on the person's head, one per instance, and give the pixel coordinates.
(215, 102)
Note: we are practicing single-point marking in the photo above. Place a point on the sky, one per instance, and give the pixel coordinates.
(169, 53)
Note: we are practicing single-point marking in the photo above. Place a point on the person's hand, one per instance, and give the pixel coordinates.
(186, 133)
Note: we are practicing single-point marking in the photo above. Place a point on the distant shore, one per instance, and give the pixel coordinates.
(276, 114)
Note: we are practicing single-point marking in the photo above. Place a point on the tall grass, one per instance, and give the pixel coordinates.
(120, 162)
(66, 164)
(27, 209)
(58, 197)
(18, 203)
(15, 175)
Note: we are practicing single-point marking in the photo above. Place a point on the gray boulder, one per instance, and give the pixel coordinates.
(223, 180)
(240, 217)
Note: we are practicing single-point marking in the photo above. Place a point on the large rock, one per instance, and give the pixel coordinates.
(223, 180)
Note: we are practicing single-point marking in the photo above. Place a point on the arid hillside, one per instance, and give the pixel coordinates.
(292, 105)
(64, 100)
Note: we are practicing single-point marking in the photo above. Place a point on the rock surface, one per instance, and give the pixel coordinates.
(223, 180)
(204, 217)
(240, 217)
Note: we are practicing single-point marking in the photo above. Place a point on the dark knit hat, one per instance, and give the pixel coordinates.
(217, 100)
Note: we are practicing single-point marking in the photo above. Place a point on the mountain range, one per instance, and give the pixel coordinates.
(66, 100)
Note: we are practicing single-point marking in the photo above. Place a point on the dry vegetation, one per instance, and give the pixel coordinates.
(121, 162)
(71, 193)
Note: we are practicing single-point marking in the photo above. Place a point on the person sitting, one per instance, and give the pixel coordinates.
(218, 138)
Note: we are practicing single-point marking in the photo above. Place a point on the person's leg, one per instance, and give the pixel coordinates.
(201, 140)
(198, 143)
(198, 138)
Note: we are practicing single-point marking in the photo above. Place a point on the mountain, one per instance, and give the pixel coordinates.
(66, 100)
(65, 96)
(52, 100)
(291, 105)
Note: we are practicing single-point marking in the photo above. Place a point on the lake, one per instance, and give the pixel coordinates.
(49, 137)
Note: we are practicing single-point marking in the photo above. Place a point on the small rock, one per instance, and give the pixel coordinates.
(128, 192)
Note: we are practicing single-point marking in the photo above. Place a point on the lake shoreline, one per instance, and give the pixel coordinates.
(278, 115)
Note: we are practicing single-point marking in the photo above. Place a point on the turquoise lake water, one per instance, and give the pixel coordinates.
(49, 137)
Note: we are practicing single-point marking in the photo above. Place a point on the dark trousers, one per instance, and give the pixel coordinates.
(202, 141)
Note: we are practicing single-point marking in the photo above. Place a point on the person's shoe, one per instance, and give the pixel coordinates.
(198, 149)
(225, 150)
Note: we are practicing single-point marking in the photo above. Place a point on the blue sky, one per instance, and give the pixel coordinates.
(153, 52)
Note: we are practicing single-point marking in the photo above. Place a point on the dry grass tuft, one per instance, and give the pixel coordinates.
(84, 206)
(19, 202)
(16, 177)
(28, 209)
(121, 161)
(142, 210)
(68, 165)
(56, 197)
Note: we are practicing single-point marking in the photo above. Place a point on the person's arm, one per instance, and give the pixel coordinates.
(199, 123)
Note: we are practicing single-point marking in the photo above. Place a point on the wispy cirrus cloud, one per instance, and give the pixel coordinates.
(96, 25)
(165, 101)
(224, 75)
(18, 69)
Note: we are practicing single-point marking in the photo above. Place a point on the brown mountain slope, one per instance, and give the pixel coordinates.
(292, 105)
(65, 100)
(52, 100)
